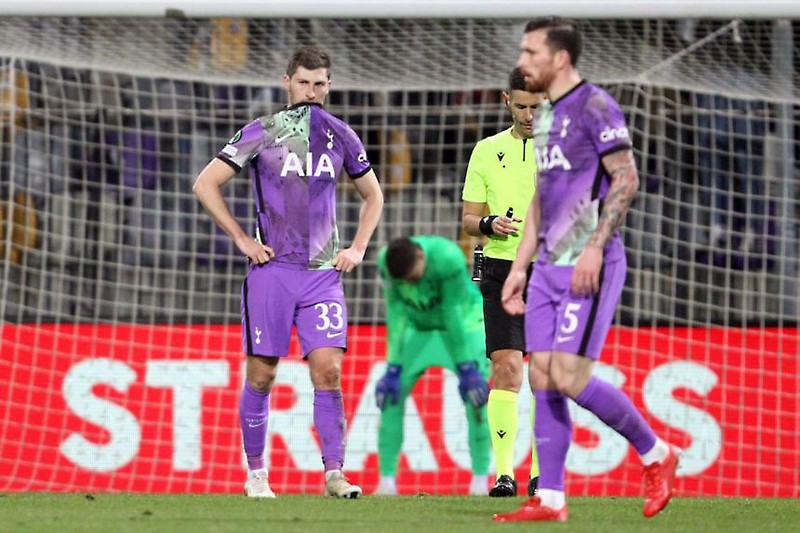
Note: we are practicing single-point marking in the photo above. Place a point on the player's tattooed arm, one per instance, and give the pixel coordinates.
(621, 166)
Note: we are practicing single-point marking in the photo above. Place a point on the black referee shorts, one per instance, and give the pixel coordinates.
(503, 331)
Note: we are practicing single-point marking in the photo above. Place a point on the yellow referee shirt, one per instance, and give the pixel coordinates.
(502, 174)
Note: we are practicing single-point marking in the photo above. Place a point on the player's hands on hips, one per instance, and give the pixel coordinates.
(388, 387)
(472, 386)
(586, 276)
(255, 251)
(513, 289)
(348, 259)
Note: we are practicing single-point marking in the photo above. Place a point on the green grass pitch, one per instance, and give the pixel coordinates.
(59, 513)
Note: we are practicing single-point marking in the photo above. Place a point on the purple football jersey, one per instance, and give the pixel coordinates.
(295, 159)
(571, 136)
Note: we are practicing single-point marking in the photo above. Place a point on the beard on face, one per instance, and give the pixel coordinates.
(542, 82)
(538, 85)
(534, 87)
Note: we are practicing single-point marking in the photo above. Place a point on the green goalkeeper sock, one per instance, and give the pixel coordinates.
(503, 421)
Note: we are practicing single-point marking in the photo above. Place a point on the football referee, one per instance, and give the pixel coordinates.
(499, 185)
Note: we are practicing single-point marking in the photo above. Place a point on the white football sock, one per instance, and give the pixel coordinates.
(479, 484)
(329, 473)
(656, 454)
(262, 472)
(553, 499)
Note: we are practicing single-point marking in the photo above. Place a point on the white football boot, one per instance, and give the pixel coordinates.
(337, 486)
(257, 485)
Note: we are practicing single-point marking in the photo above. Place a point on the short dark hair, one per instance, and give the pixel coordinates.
(401, 256)
(516, 80)
(562, 34)
(308, 57)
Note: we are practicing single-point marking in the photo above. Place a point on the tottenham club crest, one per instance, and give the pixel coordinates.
(564, 125)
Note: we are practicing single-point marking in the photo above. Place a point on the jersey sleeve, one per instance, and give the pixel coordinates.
(356, 162)
(396, 314)
(606, 125)
(243, 146)
(475, 182)
(455, 282)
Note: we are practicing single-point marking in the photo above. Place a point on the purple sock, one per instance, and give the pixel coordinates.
(613, 407)
(253, 415)
(330, 424)
(553, 428)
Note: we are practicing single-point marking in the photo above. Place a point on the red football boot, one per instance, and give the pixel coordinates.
(659, 482)
(533, 511)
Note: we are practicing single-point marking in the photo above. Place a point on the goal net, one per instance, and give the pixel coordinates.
(120, 358)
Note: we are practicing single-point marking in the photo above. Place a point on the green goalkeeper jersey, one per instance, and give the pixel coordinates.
(502, 174)
(443, 299)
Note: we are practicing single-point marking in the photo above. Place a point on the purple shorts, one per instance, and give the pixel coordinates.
(556, 319)
(275, 297)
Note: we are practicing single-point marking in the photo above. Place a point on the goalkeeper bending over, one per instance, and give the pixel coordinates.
(434, 317)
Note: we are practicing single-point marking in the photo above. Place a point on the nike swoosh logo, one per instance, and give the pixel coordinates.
(332, 335)
(564, 339)
(255, 425)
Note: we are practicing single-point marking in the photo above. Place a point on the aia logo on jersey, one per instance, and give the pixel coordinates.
(550, 157)
(609, 134)
(323, 166)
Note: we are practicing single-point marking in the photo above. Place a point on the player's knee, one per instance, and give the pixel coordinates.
(505, 378)
(568, 383)
(328, 377)
(538, 378)
(262, 383)
(507, 371)
(261, 373)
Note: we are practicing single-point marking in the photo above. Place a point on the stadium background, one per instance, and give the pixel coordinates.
(120, 363)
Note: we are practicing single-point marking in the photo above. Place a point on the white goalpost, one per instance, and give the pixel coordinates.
(419, 9)
(120, 352)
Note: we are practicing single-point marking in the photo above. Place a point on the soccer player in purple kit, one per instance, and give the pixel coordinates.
(587, 179)
(295, 157)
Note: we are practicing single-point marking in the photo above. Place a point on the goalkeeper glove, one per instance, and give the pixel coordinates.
(388, 387)
(472, 386)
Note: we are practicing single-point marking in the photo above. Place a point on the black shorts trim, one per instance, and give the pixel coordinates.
(246, 325)
(587, 334)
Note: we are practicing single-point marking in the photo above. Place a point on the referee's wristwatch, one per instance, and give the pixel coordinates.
(485, 225)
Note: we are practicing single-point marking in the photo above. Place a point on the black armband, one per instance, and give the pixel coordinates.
(485, 225)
